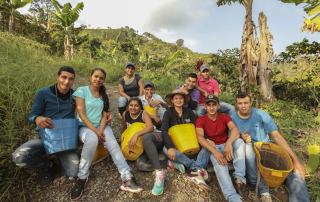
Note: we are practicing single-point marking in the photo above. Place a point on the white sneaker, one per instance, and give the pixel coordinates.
(265, 198)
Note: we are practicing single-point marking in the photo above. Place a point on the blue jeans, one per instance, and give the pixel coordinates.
(201, 162)
(225, 108)
(30, 155)
(90, 143)
(222, 172)
(122, 101)
(296, 186)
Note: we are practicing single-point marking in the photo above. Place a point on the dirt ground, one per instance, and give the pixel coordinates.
(104, 180)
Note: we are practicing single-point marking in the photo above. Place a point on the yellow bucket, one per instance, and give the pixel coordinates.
(100, 154)
(151, 110)
(184, 138)
(274, 163)
(126, 137)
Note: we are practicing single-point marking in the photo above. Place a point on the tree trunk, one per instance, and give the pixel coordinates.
(11, 24)
(1, 22)
(265, 59)
(72, 51)
(67, 47)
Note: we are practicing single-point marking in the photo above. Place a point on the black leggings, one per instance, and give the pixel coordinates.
(149, 159)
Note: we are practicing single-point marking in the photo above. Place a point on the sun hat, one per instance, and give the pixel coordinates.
(175, 92)
(130, 64)
(211, 98)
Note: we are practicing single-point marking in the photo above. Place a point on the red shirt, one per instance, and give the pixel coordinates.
(210, 86)
(217, 130)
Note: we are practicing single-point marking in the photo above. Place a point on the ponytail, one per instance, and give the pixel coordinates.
(102, 91)
(105, 98)
(176, 117)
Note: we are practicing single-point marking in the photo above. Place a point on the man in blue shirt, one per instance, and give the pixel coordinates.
(154, 100)
(54, 102)
(254, 126)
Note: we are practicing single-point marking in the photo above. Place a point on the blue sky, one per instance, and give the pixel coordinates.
(204, 27)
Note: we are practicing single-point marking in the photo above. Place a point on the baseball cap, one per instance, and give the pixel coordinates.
(211, 98)
(203, 67)
(148, 83)
(130, 64)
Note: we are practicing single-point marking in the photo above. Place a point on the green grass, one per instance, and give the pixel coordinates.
(26, 66)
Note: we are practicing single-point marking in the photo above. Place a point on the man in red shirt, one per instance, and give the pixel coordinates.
(224, 149)
(210, 86)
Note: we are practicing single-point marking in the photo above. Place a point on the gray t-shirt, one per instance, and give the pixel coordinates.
(133, 88)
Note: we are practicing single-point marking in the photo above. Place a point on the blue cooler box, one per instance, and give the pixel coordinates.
(63, 137)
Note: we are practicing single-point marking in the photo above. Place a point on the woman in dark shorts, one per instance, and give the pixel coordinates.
(129, 86)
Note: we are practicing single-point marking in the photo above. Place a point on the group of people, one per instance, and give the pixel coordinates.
(223, 133)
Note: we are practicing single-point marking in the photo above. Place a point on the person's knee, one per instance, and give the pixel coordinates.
(122, 101)
(238, 144)
(91, 139)
(19, 157)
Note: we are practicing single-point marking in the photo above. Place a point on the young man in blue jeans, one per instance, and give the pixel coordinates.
(54, 102)
(208, 85)
(224, 149)
(255, 125)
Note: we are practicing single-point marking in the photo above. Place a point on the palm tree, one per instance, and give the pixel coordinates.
(165, 62)
(11, 7)
(65, 19)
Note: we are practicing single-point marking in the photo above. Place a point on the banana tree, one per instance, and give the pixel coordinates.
(65, 19)
(11, 7)
(255, 61)
(165, 62)
(311, 24)
(103, 52)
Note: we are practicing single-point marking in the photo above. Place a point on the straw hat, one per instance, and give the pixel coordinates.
(175, 92)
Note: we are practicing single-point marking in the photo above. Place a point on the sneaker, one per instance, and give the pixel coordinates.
(77, 190)
(242, 191)
(158, 184)
(131, 186)
(48, 174)
(195, 177)
(177, 166)
(205, 175)
(265, 198)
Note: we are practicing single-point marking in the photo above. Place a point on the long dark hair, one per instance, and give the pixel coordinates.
(176, 117)
(102, 91)
(136, 99)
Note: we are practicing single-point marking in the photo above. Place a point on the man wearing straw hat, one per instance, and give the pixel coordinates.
(255, 125)
(54, 102)
(153, 100)
(225, 149)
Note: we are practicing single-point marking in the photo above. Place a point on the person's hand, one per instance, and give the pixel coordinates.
(228, 151)
(220, 158)
(109, 117)
(156, 119)
(44, 122)
(101, 136)
(171, 154)
(246, 137)
(133, 141)
(297, 165)
(185, 90)
(205, 93)
(155, 103)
